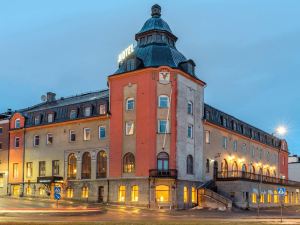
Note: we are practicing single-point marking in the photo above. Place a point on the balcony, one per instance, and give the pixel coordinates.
(170, 173)
(247, 176)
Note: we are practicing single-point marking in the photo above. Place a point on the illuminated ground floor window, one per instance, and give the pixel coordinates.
(276, 198)
(85, 192)
(253, 197)
(194, 195)
(262, 198)
(16, 190)
(41, 191)
(122, 193)
(135, 193)
(185, 195)
(286, 198)
(70, 192)
(28, 191)
(269, 198)
(162, 193)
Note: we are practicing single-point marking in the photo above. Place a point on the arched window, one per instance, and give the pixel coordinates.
(101, 164)
(244, 168)
(85, 192)
(207, 165)
(86, 166)
(70, 192)
(72, 161)
(190, 108)
(224, 168)
(189, 164)
(163, 101)
(128, 163)
(163, 161)
(260, 171)
(17, 123)
(252, 171)
(130, 104)
(234, 169)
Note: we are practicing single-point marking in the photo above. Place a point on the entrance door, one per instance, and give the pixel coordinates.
(100, 194)
(215, 169)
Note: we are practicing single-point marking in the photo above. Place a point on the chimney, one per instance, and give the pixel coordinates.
(50, 97)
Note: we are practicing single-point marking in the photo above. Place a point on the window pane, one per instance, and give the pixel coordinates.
(163, 101)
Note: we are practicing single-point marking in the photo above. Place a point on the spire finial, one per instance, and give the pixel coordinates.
(155, 10)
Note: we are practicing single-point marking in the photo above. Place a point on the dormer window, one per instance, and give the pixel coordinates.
(73, 114)
(87, 111)
(50, 118)
(130, 65)
(37, 120)
(17, 123)
(102, 109)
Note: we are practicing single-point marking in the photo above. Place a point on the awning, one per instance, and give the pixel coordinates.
(254, 190)
(49, 180)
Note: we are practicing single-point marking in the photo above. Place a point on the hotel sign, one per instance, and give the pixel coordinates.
(126, 52)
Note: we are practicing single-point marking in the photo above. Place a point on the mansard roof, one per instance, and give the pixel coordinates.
(235, 125)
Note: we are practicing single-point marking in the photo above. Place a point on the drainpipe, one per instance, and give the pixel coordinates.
(107, 198)
(8, 152)
(149, 197)
(23, 174)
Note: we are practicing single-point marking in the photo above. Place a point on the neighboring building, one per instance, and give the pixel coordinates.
(4, 146)
(294, 167)
(148, 140)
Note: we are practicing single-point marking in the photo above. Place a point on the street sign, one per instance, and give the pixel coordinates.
(57, 196)
(281, 191)
(57, 190)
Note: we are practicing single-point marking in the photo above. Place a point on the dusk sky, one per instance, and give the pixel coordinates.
(246, 51)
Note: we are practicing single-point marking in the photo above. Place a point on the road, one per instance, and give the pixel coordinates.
(23, 210)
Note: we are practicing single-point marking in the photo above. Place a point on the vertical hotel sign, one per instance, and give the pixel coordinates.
(126, 52)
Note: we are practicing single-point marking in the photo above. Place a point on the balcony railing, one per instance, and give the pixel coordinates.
(101, 175)
(85, 175)
(171, 173)
(241, 175)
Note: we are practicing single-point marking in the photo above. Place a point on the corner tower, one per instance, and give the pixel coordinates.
(156, 105)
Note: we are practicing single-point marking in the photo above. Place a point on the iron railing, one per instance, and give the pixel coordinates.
(241, 175)
(170, 173)
(217, 197)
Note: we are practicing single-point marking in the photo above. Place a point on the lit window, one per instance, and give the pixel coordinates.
(86, 166)
(16, 190)
(102, 132)
(102, 109)
(224, 143)
(73, 114)
(128, 163)
(235, 145)
(101, 164)
(15, 170)
(122, 193)
(1, 180)
(185, 194)
(87, 111)
(72, 163)
(163, 101)
(70, 192)
(135, 193)
(17, 123)
(28, 191)
(130, 104)
(50, 117)
(85, 192)
(49, 139)
(29, 169)
(194, 195)
(269, 198)
(163, 126)
(190, 131)
(190, 108)
(162, 193)
(262, 198)
(72, 136)
(37, 120)
(86, 134)
(286, 197)
(41, 191)
(254, 197)
(36, 141)
(207, 137)
(129, 128)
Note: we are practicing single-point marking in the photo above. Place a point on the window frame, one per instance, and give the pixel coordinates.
(36, 140)
(102, 127)
(127, 128)
(51, 116)
(85, 111)
(73, 112)
(167, 128)
(127, 104)
(15, 142)
(190, 131)
(207, 136)
(17, 121)
(70, 135)
(49, 135)
(190, 108)
(159, 102)
(87, 134)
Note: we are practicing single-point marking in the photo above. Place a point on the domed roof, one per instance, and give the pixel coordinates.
(155, 47)
(155, 22)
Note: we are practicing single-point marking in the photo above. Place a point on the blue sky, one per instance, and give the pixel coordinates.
(246, 51)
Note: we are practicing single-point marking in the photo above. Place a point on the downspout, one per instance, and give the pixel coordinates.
(8, 152)
(107, 198)
(23, 174)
